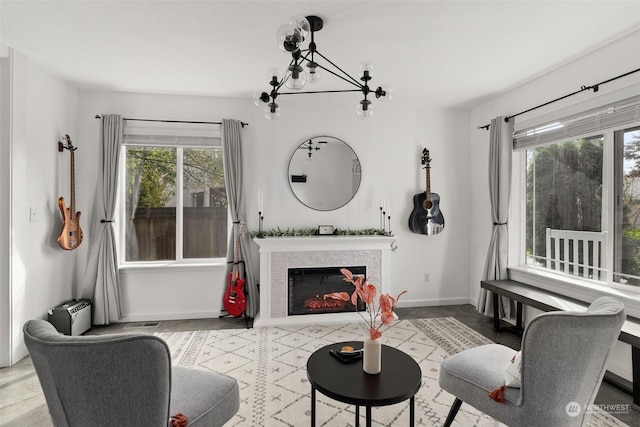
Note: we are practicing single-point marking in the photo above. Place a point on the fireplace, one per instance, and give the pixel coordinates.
(307, 288)
(278, 255)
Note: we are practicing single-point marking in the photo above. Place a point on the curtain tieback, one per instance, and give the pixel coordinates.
(499, 223)
(102, 221)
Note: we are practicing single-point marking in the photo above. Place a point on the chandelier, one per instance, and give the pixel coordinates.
(308, 145)
(304, 68)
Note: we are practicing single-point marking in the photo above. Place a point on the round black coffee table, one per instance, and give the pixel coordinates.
(399, 380)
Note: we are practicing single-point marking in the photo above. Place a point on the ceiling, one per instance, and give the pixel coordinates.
(441, 54)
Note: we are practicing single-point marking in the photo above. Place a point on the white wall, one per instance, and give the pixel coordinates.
(5, 208)
(609, 61)
(599, 65)
(389, 146)
(41, 274)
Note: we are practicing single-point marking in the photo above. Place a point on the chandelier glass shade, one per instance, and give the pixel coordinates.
(308, 65)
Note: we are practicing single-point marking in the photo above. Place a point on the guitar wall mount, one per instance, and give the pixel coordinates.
(69, 146)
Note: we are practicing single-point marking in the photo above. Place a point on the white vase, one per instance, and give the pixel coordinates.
(371, 358)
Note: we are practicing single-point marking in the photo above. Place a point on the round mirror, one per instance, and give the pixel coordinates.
(324, 173)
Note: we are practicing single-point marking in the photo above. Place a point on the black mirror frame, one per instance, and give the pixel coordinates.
(303, 178)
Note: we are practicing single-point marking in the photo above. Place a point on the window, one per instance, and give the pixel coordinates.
(627, 205)
(173, 195)
(564, 192)
(582, 194)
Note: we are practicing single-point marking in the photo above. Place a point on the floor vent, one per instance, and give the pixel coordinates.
(143, 325)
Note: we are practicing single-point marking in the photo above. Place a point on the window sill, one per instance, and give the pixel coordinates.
(173, 266)
(576, 287)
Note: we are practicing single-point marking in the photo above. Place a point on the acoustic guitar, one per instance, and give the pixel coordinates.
(426, 216)
(71, 234)
(235, 301)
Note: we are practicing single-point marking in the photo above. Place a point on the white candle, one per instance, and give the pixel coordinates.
(262, 203)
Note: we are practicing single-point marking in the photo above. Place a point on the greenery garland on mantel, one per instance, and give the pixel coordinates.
(292, 232)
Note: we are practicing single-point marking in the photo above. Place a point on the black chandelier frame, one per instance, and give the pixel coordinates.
(301, 56)
(308, 145)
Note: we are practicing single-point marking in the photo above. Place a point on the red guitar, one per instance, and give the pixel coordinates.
(235, 302)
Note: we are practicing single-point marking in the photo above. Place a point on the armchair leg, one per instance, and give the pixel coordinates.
(452, 412)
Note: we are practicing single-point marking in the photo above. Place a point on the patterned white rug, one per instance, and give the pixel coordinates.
(270, 364)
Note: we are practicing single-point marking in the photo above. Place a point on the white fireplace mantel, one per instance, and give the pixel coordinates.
(278, 254)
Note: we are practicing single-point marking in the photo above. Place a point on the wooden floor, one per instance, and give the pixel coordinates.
(22, 403)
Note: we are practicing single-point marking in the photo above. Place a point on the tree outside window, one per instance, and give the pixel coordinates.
(627, 258)
(176, 205)
(563, 191)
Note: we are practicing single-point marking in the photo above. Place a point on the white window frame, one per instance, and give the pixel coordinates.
(171, 135)
(572, 286)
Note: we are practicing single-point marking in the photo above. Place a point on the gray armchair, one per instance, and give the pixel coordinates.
(123, 380)
(564, 357)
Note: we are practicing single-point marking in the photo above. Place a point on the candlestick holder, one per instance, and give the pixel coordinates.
(260, 219)
(384, 221)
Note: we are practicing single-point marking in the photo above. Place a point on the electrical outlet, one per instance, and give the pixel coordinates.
(427, 277)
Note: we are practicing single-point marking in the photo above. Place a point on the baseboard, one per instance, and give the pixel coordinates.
(623, 371)
(432, 302)
(618, 382)
(169, 316)
(152, 317)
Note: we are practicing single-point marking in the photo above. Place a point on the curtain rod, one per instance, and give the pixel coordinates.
(243, 124)
(594, 87)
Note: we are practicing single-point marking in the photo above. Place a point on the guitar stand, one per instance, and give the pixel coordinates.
(244, 313)
(246, 320)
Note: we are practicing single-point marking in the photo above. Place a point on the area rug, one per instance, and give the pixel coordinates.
(269, 364)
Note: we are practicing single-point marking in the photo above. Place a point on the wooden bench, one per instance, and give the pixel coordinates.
(548, 301)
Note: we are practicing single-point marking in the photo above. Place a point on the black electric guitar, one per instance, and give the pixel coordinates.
(426, 217)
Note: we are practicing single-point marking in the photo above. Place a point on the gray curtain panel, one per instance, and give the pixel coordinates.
(495, 268)
(233, 170)
(102, 279)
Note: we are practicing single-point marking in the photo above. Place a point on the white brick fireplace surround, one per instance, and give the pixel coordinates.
(278, 254)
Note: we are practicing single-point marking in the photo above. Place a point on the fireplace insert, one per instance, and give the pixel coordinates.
(307, 287)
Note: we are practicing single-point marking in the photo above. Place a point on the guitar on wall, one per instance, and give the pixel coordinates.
(235, 301)
(71, 234)
(426, 217)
